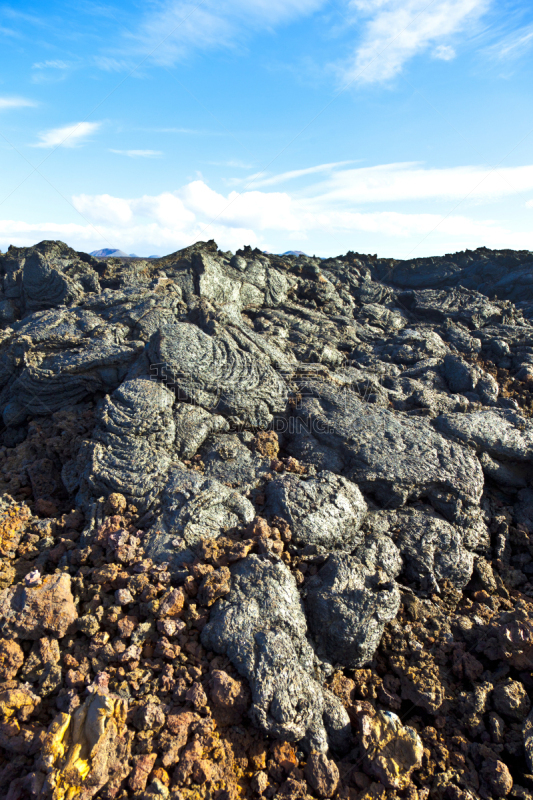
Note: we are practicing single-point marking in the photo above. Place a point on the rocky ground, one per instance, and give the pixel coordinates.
(266, 526)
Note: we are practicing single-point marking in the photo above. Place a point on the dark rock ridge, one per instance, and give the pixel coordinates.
(256, 497)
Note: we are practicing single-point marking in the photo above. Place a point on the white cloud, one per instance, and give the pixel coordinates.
(138, 153)
(166, 209)
(69, 136)
(397, 30)
(444, 52)
(51, 71)
(103, 208)
(15, 102)
(411, 181)
(329, 208)
(334, 210)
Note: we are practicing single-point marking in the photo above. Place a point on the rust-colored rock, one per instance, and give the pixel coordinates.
(497, 777)
(32, 612)
(116, 504)
(11, 659)
(142, 767)
(230, 697)
(17, 704)
(420, 680)
(223, 551)
(172, 603)
(267, 444)
(214, 585)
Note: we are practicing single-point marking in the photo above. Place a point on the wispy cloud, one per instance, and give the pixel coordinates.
(51, 71)
(179, 27)
(15, 102)
(412, 181)
(513, 45)
(52, 64)
(138, 153)
(232, 163)
(444, 52)
(68, 136)
(255, 181)
(397, 30)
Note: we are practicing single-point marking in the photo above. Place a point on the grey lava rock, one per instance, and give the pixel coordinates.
(431, 548)
(261, 626)
(348, 604)
(213, 372)
(326, 510)
(503, 434)
(131, 448)
(395, 458)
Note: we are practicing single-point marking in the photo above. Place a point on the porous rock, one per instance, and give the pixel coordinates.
(261, 626)
(392, 751)
(33, 612)
(326, 510)
(348, 605)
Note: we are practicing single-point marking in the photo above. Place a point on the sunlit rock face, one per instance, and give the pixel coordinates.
(253, 507)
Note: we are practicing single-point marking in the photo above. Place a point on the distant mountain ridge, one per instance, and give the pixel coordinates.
(109, 252)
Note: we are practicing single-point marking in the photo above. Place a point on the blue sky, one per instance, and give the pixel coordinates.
(397, 127)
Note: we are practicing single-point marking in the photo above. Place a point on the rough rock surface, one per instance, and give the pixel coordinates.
(260, 625)
(266, 526)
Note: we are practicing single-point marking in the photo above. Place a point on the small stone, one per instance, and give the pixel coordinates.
(214, 585)
(392, 751)
(33, 578)
(196, 695)
(11, 659)
(142, 767)
(259, 782)
(230, 697)
(266, 443)
(167, 626)
(123, 597)
(31, 612)
(148, 717)
(115, 504)
(284, 754)
(322, 775)
(511, 700)
(497, 777)
(172, 603)
(161, 775)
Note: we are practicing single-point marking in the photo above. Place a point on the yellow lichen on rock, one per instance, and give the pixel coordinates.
(16, 700)
(84, 751)
(12, 522)
(392, 751)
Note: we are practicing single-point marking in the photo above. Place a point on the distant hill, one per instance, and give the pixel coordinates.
(108, 252)
(287, 253)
